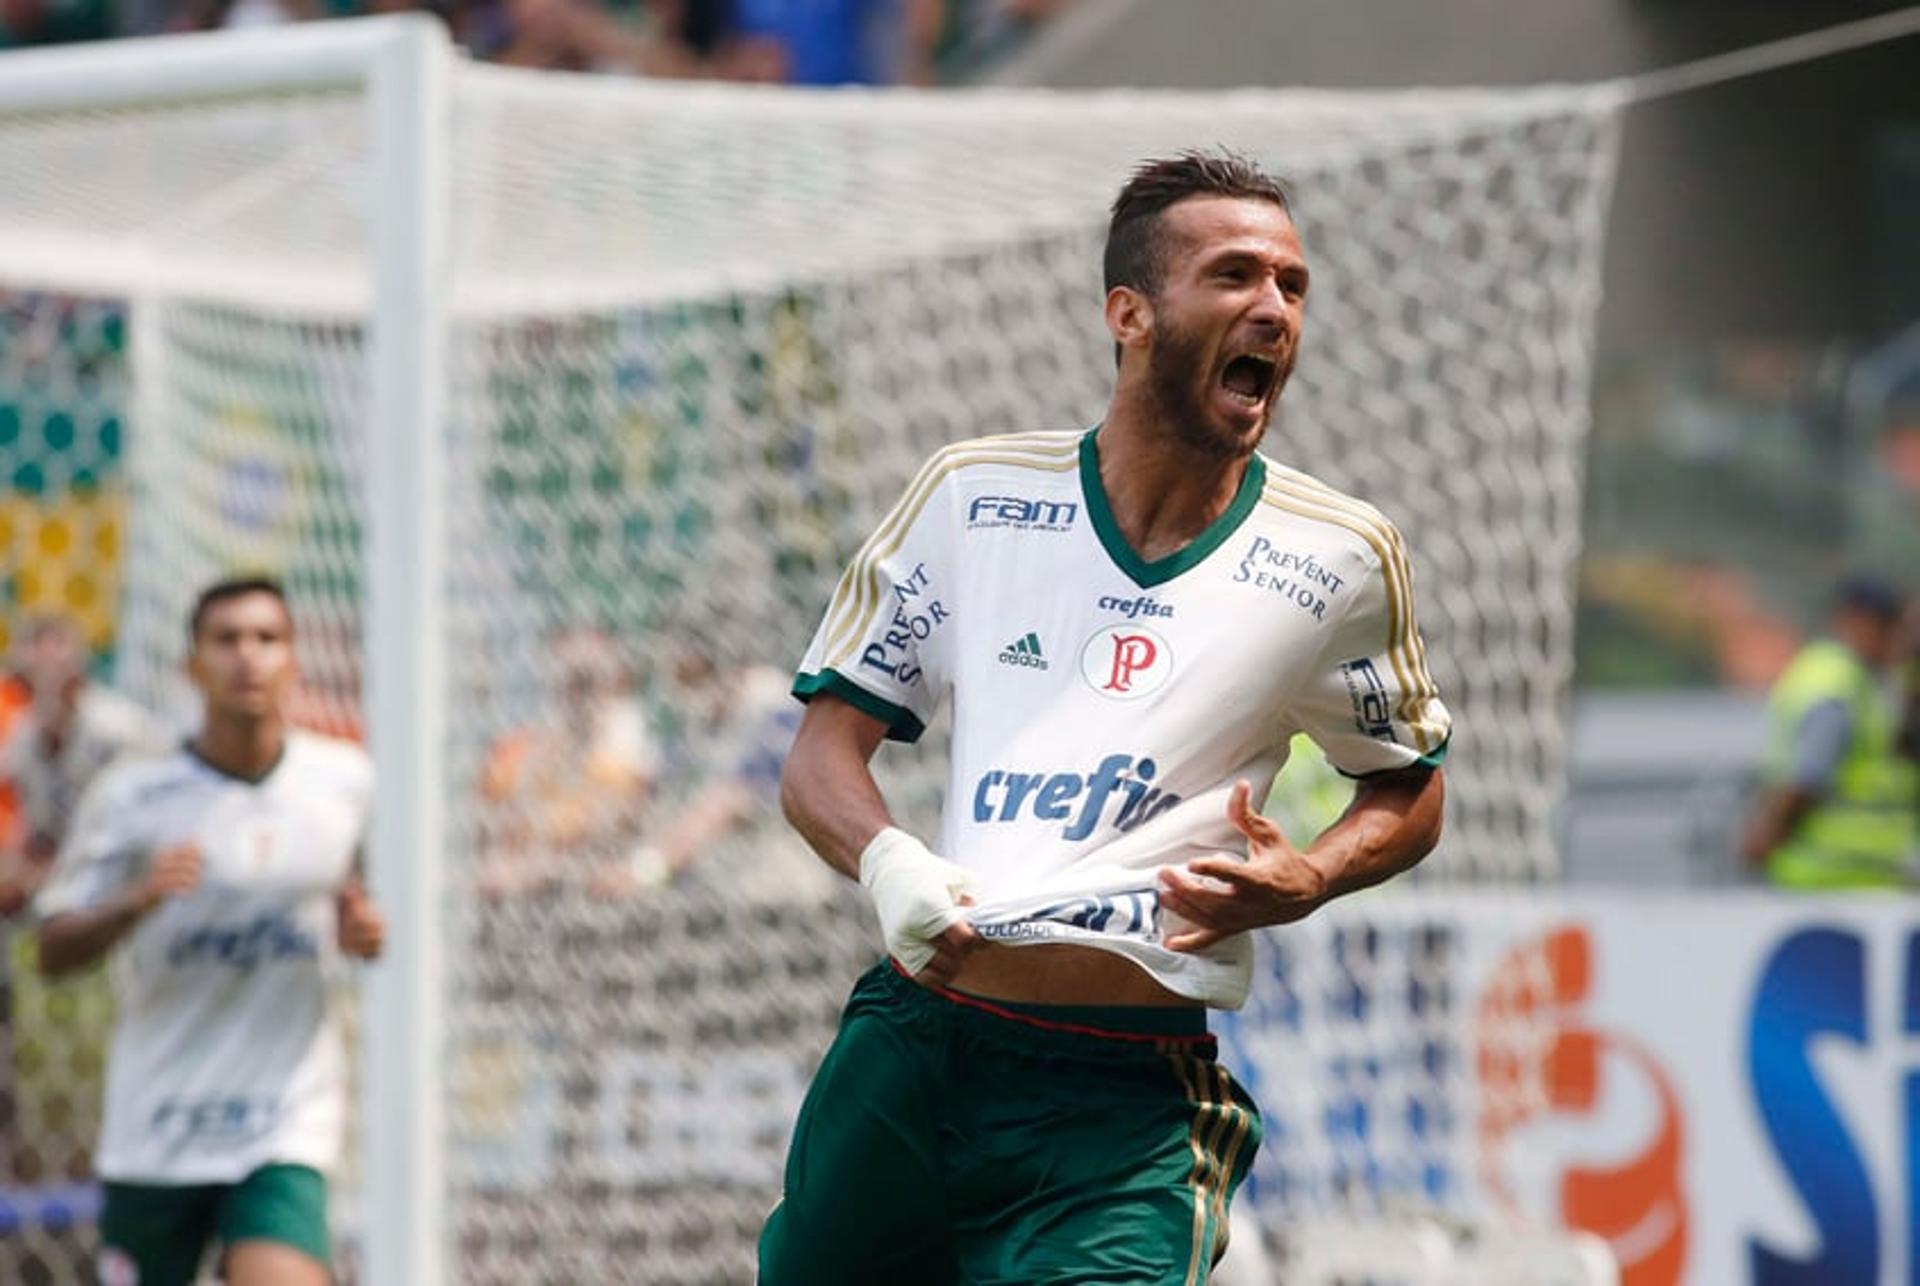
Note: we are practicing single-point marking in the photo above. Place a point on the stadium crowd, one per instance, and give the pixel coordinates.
(806, 42)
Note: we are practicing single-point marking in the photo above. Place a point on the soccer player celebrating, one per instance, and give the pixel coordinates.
(1133, 622)
(223, 878)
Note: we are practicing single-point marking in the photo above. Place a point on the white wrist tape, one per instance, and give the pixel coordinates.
(916, 893)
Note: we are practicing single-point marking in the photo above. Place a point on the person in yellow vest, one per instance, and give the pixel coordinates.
(1841, 809)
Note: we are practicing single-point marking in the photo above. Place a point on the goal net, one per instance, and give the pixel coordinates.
(699, 337)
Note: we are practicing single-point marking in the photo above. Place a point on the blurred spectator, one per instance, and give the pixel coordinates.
(207, 15)
(16, 701)
(563, 795)
(54, 22)
(700, 38)
(728, 729)
(555, 35)
(1842, 804)
(804, 42)
(811, 42)
(66, 732)
(974, 33)
(70, 730)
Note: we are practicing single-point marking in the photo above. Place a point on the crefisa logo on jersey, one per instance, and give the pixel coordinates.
(1136, 607)
(1119, 791)
(270, 938)
(1126, 662)
(1021, 514)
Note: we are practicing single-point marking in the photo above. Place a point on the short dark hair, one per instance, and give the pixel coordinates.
(1870, 596)
(1136, 244)
(222, 591)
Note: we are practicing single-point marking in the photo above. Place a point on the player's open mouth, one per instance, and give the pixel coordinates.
(1248, 378)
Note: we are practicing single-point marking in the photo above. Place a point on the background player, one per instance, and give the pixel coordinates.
(1132, 623)
(223, 879)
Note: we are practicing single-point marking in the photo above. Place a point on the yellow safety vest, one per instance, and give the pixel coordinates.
(1868, 826)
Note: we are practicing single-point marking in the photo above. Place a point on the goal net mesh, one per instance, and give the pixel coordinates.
(701, 338)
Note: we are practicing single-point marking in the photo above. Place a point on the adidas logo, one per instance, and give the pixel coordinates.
(1024, 650)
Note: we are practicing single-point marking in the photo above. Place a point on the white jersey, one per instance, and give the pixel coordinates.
(226, 1055)
(1104, 706)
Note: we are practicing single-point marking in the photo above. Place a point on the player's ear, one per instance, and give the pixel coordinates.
(1129, 316)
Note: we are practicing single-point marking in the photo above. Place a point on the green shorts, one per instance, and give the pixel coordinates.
(162, 1230)
(952, 1141)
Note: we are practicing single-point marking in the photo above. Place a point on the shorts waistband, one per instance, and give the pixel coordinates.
(1103, 1029)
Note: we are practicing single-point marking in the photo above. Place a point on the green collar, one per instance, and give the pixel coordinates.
(1148, 574)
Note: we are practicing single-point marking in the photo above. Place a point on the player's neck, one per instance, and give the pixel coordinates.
(1161, 492)
(243, 748)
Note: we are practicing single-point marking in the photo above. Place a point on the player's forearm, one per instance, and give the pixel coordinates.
(1393, 822)
(827, 790)
(73, 940)
(1774, 819)
(836, 807)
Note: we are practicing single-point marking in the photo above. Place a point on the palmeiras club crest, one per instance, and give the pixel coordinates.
(1126, 661)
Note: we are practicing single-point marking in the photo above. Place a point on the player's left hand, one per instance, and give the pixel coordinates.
(1222, 896)
(363, 930)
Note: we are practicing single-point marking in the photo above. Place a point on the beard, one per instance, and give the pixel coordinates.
(1175, 368)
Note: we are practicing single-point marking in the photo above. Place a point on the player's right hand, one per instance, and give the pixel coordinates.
(950, 951)
(920, 900)
(171, 872)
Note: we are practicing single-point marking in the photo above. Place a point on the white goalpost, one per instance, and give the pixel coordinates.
(558, 403)
(401, 68)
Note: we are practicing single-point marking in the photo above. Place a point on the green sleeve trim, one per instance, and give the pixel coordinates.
(1431, 760)
(902, 723)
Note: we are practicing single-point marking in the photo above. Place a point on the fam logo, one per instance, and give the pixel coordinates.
(1541, 1065)
(1134, 608)
(1021, 514)
(1079, 799)
(1126, 662)
(1300, 579)
(1372, 714)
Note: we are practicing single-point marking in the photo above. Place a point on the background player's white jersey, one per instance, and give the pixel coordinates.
(1103, 705)
(225, 1055)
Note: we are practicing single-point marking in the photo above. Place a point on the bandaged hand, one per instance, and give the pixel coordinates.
(919, 896)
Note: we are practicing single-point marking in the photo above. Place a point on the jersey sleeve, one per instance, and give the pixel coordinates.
(1370, 703)
(360, 785)
(879, 647)
(98, 858)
